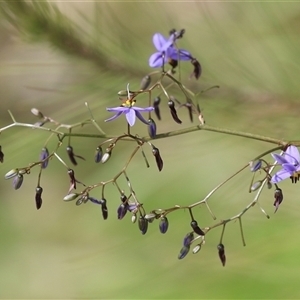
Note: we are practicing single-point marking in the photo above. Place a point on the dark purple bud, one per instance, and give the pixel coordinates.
(173, 111)
(172, 31)
(156, 103)
(38, 197)
(158, 159)
(180, 34)
(152, 128)
(255, 165)
(17, 182)
(72, 179)
(187, 239)
(1, 155)
(145, 82)
(123, 198)
(188, 105)
(122, 210)
(98, 154)
(72, 155)
(94, 200)
(278, 195)
(196, 228)
(221, 251)
(173, 62)
(197, 68)
(163, 224)
(183, 252)
(143, 224)
(104, 209)
(43, 157)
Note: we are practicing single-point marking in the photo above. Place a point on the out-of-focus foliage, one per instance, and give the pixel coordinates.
(56, 56)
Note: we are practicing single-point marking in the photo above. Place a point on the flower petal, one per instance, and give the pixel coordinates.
(114, 117)
(279, 159)
(159, 42)
(156, 60)
(280, 175)
(143, 109)
(181, 54)
(292, 155)
(141, 118)
(289, 168)
(120, 109)
(130, 116)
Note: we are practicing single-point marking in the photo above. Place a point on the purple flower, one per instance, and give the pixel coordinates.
(166, 51)
(130, 111)
(290, 162)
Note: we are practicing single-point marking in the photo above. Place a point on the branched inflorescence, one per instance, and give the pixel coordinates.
(167, 59)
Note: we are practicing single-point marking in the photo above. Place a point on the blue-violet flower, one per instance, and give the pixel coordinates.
(166, 51)
(130, 111)
(290, 162)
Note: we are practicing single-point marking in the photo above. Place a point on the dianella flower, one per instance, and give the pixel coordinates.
(290, 163)
(166, 51)
(130, 111)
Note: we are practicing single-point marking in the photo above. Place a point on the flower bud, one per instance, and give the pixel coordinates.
(152, 128)
(38, 197)
(122, 210)
(278, 195)
(143, 224)
(17, 182)
(145, 82)
(150, 217)
(123, 93)
(37, 113)
(71, 155)
(183, 252)
(44, 154)
(98, 154)
(104, 209)
(12, 173)
(188, 239)
(156, 103)
(255, 165)
(133, 218)
(163, 224)
(106, 157)
(70, 197)
(221, 252)
(255, 186)
(197, 248)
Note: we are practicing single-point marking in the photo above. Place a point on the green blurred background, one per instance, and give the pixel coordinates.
(56, 64)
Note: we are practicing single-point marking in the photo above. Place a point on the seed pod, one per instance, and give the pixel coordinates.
(17, 182)
(98, 154)
(173, 111)
(1, 155)
(163, 224)
(152, 128)
(183, 252)
(143, 224)
(38, 197)
(106, 156)
(156, 103)
(43, 157)
(188, 239)
(158, 159)
(145, 82)
(196, 228)
(221, 251)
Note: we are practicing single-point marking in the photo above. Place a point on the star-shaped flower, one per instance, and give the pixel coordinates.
(290, 162)
(130, 111)
(166, 51)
